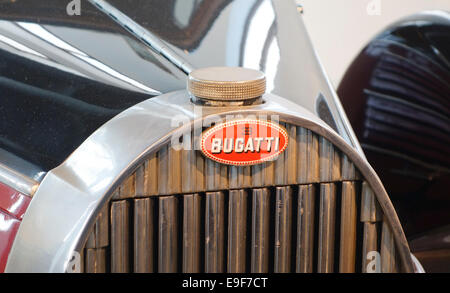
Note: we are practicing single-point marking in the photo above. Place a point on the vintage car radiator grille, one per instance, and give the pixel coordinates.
(308, 211)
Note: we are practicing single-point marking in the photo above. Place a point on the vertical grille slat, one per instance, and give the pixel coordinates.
(329, 161)
(224, 182)
(191, 233)
(140, 181)
(188, 169)
(283, 224)
(151, 175)
(174, 172)
(235, 173)
(214, 232)
(100, 234)
(199, 172)
(95, 260)
(291, 156)
(370, 208)
(388, 263)
(349, 171)
(370, 216)
(280, 166)
(308, 156)
(163, 170)
(240, 177)
(347, 254)
(168, 238)
(212, 175)
(269, 173)
(120, 262)
(127, 189)
(258, 175)
(246, 177)
(305, 229)
(237, 231)
(260, 231)
(143, 235)
(327, 220)
(370, 243)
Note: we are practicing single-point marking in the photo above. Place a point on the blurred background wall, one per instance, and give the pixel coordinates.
(339, 29)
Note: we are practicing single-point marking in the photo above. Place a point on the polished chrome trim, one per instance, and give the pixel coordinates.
(71, 195)
(435, 16)
(19, 182)
(21, 166)
(418, 268)
(148, 38)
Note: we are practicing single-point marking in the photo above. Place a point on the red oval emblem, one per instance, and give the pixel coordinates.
(244, 142)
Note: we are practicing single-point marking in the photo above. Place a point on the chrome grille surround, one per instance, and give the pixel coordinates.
(86, 187)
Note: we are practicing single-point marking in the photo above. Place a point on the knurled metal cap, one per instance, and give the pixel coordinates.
(226, 83)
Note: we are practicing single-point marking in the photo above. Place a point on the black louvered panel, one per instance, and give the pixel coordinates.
(407, 102)
(410, 75)
(393, 124)
(379, 114)
(425, 87)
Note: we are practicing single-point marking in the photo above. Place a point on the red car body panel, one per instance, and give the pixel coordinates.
(13, 205)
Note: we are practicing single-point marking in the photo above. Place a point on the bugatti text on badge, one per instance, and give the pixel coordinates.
(244, 142)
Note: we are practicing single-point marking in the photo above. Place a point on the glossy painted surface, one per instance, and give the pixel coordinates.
(14, 179)
(12, 208)
(8, 230)
(13, 202)
(397, 97)
(91, 69)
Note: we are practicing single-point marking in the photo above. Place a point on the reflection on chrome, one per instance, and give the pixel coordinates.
(19, 182)
(6, 224)
(142, 34)
(271, 65)
(183, 11)
(97, 155)
(44, 34)
(256, 35)
(14, 208)
(266, 43)
(19, 46)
